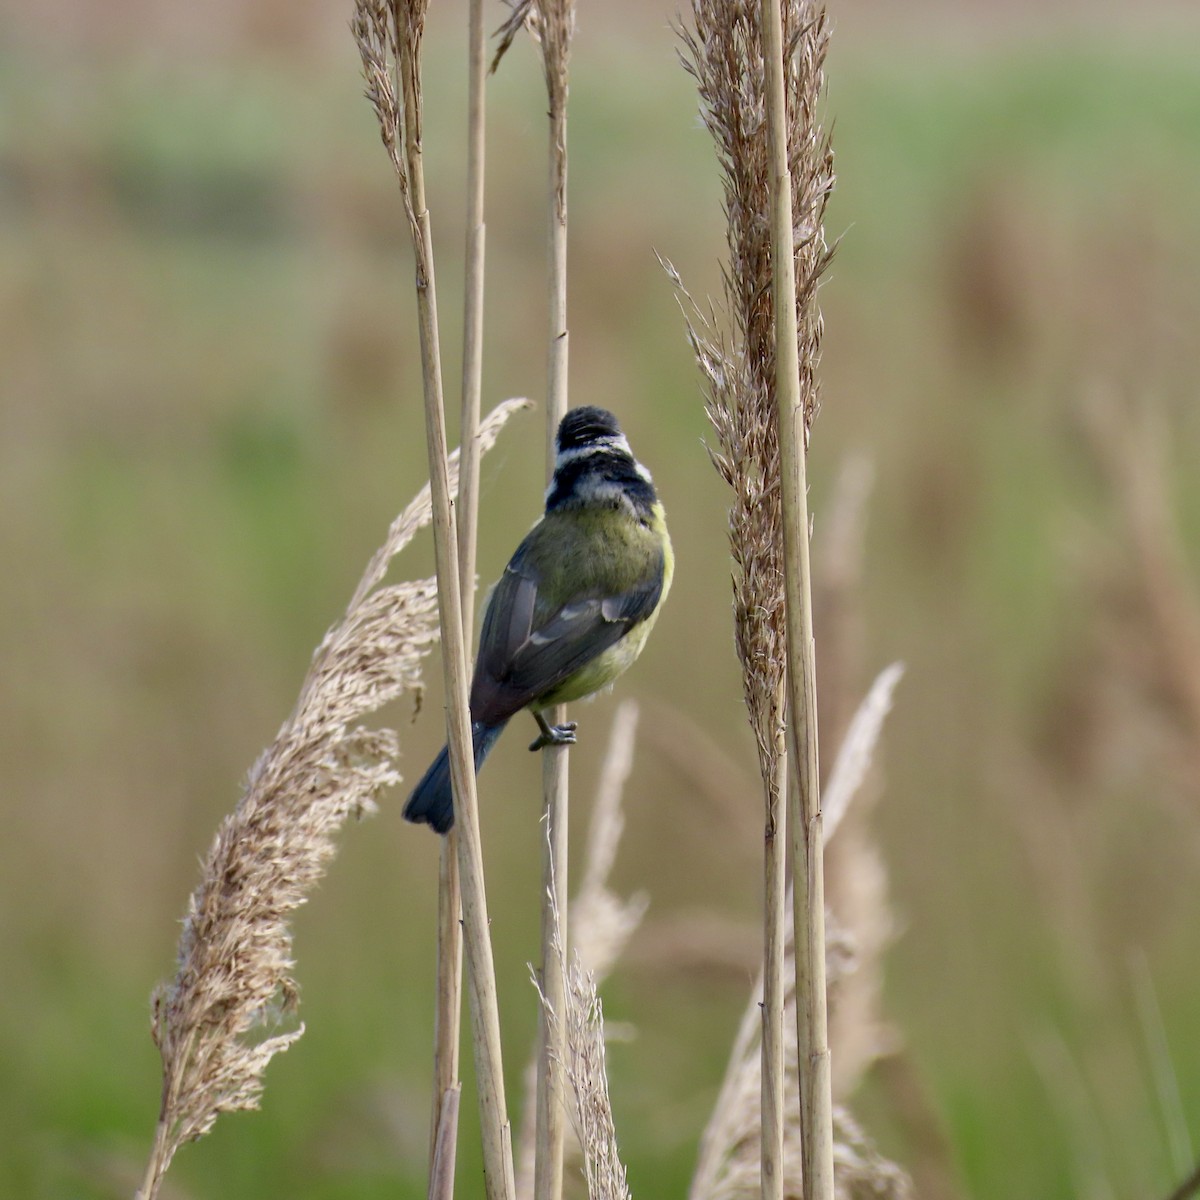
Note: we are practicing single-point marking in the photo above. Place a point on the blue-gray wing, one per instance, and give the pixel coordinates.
(520, 660)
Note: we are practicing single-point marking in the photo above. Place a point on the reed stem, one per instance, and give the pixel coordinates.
(157, 1166)
(774, 953)
(447, 1025)
(555, 18)
(485, 1016)
(472, 357)
(448, 1014)
(807, 843)
(441, 1169)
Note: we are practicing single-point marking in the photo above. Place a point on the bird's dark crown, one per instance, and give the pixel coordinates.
(583, 426)
(595, 467)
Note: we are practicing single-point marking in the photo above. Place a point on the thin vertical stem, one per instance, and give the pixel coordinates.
(774, 943)
(157, 1166)
(497, 1147)
(472, 361)
(816, 1105)
(447, 1025)
(551, 1115)
(448, 1013)
(441, 1170)
(485, 1023)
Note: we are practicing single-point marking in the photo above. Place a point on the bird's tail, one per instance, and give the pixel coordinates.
(432, 800)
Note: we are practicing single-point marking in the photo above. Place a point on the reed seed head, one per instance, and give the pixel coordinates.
(215, 1024)
(723, 51)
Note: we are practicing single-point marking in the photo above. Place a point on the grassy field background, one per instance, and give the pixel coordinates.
(211, 410)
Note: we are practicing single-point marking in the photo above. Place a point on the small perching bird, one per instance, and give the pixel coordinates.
(575, 604)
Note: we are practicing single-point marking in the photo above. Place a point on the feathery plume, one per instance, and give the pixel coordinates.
(728, 1165)
(579, 1025)
(759, 71)
(587, 1079)
(724, 54)
(601, 921)
(234, 979)
(858, 747)
(389, 33)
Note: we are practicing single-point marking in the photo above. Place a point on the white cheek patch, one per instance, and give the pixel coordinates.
(590, 487)
(616, 442)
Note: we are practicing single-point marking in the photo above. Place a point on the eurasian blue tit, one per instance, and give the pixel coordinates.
(575, 604)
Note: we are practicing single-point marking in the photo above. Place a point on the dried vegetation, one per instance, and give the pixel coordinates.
(234, 981)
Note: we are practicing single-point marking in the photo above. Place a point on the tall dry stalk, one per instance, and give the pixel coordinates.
(797, 351)
(389, 38)
(552, 24)
(472, 352)
(447, 1024)
(600, 928)
(760, 82)
(234, 978)
(729, 1163)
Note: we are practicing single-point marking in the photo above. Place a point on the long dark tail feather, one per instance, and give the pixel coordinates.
(432, 800)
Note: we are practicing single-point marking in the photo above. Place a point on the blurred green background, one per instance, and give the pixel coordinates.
(211, 410)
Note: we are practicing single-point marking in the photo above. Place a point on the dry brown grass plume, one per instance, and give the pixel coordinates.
(759, 73)
(234, 984)
(728, 1165)
(724, 54)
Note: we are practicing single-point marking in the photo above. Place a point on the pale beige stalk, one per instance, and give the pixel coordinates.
(392, 34)
(447, 1020)
(441, 1166)
(472, 356)
(729, 1165)
(552, 22)
(601, 922)
(235, 967)
(448, 1016)
(808, 842)
(756, 424)
(772, 1098)
(581, 1035)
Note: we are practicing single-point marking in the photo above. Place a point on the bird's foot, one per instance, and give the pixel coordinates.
(553, 735)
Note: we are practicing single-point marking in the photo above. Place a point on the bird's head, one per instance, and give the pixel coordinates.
(595, 467)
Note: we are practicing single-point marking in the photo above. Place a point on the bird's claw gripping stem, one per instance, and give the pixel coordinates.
(553, 735)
